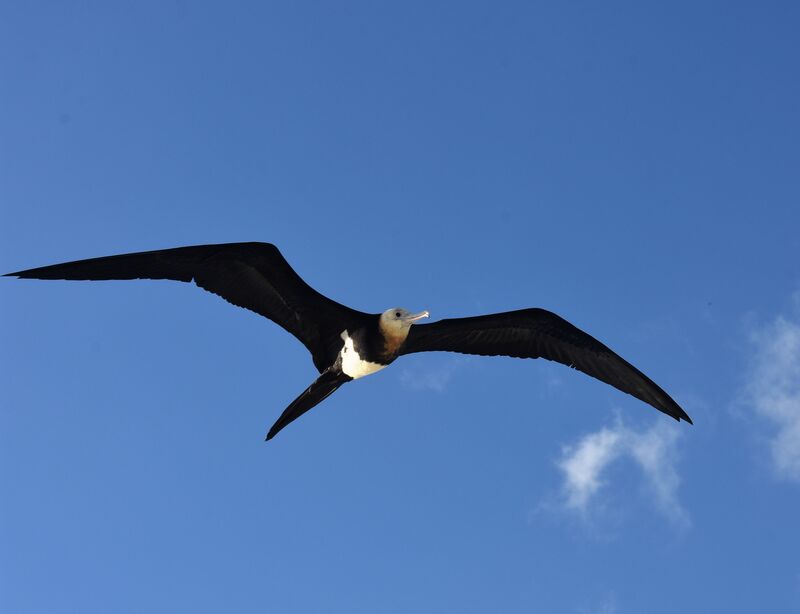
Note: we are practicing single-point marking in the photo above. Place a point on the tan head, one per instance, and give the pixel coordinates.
(395, 324)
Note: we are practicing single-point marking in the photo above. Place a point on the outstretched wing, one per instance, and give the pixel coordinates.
(251, 275)
(536, 333)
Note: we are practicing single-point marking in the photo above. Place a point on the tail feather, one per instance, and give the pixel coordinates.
(324, 386)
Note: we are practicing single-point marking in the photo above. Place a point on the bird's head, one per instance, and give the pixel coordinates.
(397, 321)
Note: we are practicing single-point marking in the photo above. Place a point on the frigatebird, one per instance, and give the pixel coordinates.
(347, 344)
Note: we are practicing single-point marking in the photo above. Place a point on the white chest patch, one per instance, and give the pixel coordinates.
(352, 364)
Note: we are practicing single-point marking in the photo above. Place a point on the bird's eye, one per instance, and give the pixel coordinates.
(396, 314)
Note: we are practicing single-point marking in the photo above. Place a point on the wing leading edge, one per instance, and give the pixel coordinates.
(251, 275)
(537, 333)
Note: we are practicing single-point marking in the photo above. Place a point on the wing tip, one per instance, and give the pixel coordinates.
(31, 274)
(678, 414)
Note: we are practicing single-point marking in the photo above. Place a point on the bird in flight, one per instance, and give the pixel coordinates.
(346, 344)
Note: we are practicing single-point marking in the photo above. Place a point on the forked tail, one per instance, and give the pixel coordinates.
(324, 386)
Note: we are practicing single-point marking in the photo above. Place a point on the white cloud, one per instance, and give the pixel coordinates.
(773, 389)
(653, 450)
(583, 463)
(434, 376)
(609, 606)
(436, 379)
(606, 605)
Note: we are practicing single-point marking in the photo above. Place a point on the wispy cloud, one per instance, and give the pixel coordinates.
(436, 380)
(773, 388)
(585, 464)
(608, 605)
(424, 376)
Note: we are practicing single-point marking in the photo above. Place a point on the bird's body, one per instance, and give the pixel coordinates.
(346, 344)
(363, 360)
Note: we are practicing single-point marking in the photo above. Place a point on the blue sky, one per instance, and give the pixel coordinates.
(631, 166)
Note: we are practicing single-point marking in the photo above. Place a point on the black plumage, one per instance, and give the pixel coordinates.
(345, 343)
(537, 333)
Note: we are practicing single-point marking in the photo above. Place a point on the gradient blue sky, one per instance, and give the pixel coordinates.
(632, 166)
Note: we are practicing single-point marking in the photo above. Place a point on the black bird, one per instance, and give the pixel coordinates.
(346, 344)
